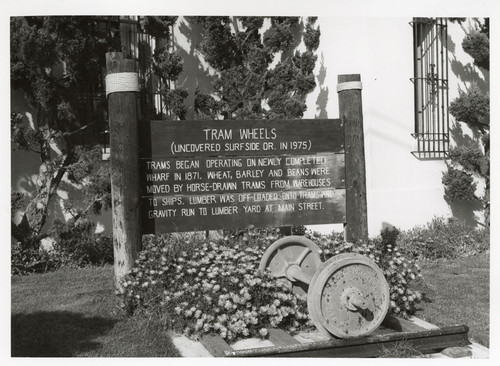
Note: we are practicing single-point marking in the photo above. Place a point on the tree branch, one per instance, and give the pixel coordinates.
(70, 133)
(16, 232)
(54, 184)
(82, 212)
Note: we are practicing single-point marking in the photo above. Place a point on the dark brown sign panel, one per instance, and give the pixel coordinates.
(202, 175)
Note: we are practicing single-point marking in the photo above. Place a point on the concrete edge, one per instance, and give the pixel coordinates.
(478, 350)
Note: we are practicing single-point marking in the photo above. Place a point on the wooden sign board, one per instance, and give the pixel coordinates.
(207, 175)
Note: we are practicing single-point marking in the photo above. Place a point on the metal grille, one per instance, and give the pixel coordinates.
(430, 82)
(139, 46)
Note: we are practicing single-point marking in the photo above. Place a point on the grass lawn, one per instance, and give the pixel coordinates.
(73, 313)
(458, 292)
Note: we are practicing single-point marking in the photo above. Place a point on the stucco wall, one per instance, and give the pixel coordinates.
(402, 190)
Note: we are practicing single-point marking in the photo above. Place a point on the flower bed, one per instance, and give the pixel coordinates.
(212, 287)
(215, 286)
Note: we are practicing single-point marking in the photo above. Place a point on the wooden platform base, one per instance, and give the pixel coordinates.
(392, 331)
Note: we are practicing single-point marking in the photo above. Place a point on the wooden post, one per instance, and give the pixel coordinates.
(351, 114)
(121, 88)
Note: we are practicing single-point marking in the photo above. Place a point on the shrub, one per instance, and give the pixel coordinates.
(211, 287)
(477, 44)
(75, 246)
(30, 260)
(471, 107)
(444, 239)
(458, 185)
(399, 270)
(79, 245)
(299, 230)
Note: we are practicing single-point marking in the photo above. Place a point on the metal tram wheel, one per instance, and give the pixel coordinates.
(348, 296)
(294, 260)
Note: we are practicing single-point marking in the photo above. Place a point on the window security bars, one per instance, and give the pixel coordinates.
(140, 46)
(430, 80)
(128, 38)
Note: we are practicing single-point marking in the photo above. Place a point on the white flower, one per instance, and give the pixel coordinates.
(199, 324)
(263, 332)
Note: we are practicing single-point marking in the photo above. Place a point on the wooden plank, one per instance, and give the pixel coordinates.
(215, 344)
(240, 137)
(281, 338)
(424, 341)
(177, 213)
(351, 114)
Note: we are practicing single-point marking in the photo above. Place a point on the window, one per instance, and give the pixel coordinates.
(430, 80)
(128, 38)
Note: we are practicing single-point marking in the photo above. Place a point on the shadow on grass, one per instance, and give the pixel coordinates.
(56, 333)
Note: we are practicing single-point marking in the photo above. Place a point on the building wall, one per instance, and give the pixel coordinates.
(402, 190)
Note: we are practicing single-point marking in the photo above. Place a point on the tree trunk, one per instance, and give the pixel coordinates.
(29, 230)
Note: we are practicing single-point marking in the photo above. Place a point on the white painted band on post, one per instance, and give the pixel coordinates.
(122, 82)
(348, 85)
